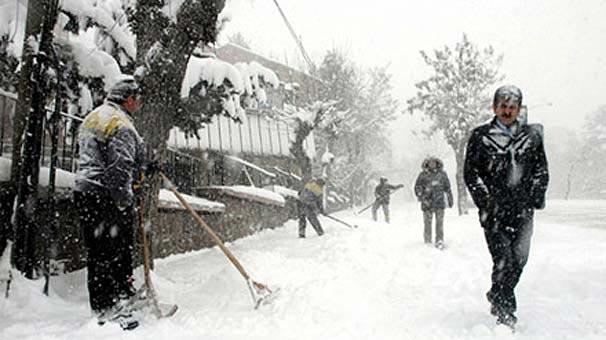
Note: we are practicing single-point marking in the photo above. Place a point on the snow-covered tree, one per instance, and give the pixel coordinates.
(456, 98)
(357, 136)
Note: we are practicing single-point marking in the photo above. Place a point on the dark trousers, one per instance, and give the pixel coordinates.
(385, 207)
(307, 212)
(509, 247)
(427, 221)
(108, 237)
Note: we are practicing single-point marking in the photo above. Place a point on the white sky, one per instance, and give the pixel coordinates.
(553, 50)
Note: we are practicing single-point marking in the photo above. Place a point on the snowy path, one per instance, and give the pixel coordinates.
(378, 281)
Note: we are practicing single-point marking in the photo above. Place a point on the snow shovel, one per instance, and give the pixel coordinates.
(341, 221)
(160, 310)
(260, 293)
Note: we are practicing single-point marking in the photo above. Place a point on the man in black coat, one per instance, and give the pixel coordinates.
(507, 176)
(431, 186)
(382, 192)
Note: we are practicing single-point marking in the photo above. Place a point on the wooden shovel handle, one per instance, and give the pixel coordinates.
(204, 225)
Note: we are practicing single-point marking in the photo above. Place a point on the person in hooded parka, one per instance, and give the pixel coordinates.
(432, 189)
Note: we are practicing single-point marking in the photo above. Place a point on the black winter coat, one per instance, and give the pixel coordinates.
(506, 174)
(432, 185)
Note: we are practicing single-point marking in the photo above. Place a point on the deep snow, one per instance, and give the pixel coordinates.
(375, 282)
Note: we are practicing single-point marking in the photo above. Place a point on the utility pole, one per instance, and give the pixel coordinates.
(37, 54)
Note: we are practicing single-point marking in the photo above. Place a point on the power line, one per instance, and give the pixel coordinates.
(297, 40)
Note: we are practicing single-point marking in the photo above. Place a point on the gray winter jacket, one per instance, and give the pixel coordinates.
(432, 185)
(111, 154)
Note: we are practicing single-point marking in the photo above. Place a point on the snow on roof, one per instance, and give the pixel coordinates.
(284, 191)
(214, 71)
(252, 193)
(168, 200)
(250, 165)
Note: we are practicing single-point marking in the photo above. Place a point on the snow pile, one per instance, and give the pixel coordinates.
(378, 281)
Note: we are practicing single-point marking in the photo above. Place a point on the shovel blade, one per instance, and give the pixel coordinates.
(262, 294)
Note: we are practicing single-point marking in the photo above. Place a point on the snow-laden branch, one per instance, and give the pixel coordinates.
(91, 61)
(110, 19)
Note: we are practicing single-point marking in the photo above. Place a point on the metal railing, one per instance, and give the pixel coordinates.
(67, 134)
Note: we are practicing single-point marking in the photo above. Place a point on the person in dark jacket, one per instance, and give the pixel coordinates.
(507, 176)
(111, 158)
(382, 192)
(309, 205)
(431, 186)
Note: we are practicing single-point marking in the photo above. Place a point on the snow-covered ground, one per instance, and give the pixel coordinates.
(375, 282)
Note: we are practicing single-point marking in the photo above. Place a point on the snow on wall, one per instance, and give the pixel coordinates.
(284, 191)
(252, 193)
(168, 200)
(63, 179)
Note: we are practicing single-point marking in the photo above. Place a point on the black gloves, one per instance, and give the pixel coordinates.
(152, 168)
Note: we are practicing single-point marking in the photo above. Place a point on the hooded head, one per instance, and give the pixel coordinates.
(432, 164)
(383, 179)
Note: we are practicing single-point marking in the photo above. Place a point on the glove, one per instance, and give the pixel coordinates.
(152, 168)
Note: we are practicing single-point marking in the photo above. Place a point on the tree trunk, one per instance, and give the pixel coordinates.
(461, 188)
(296, 149)
(25, 227)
